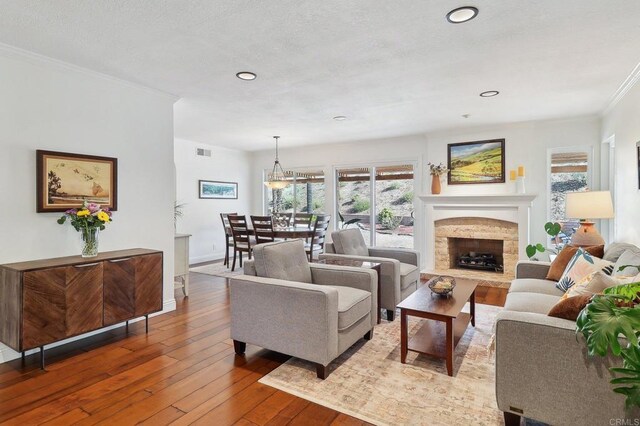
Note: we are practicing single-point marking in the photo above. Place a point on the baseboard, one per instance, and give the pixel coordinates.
(207, 258)
(8, 354)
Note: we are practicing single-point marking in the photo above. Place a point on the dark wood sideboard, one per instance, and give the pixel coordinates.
(45, 301)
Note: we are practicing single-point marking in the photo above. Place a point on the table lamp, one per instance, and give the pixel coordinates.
(585, 206)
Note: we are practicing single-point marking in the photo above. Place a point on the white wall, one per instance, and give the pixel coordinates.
(526, 144)
(48, 105)
(201, 218)
(622, 122)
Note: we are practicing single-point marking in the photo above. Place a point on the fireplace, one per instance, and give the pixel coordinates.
(476, 254)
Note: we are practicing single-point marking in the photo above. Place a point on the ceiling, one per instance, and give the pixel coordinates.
(392, 67)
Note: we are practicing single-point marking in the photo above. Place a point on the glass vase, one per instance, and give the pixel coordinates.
(89, 239)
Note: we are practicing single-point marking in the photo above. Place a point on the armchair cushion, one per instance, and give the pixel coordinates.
(534, 285)
(409, 274)
(530, 302)
(353, 305)
(284, 260)
(349, 241)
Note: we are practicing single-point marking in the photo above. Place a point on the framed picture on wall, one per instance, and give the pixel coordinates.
(210, 189)
(476, 162)
(65, 181)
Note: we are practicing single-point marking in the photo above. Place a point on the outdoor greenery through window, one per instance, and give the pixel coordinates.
(304, 194)
(389, 206)
(569, 173)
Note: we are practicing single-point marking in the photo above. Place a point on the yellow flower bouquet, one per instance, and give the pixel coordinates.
(88, 220)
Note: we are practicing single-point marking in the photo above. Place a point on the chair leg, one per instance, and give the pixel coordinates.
(391, 313)
(322, 371)
(511, 419)
(369, 335)
(226, 252)
(233, 267)
(239, 347)
(241, 259)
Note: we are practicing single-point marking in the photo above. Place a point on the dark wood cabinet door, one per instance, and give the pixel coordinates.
(119, 290)
(148, 284)
(44, 307)
(83, 297)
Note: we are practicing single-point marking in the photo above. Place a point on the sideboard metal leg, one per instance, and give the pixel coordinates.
(23, 356)
(41, 357)
(126, 327)
(146, 320)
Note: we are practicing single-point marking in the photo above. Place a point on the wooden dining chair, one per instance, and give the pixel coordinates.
(303, 219)
(263, 229)
(316, 243)
(228, 237)
(242, 240)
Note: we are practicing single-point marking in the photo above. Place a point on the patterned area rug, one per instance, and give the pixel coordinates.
(217, 269)
(369, 382)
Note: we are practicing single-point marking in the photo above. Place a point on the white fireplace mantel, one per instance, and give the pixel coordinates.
(509, 207)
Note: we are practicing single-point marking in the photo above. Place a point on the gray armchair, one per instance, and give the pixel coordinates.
(400, 268)
(310, 311)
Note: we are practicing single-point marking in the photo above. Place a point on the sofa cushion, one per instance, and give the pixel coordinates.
(581, 265)
(533, 285)
(559, 264)
(408, 275)
(570, 307)
(353, 305)
(349, 241)
(615, 250)
(285, 260)
(629, 257)
(597, 282)
(530, 302)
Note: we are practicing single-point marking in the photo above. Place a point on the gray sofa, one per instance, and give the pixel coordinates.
(310, 311)
(543, 371)
(399, 269)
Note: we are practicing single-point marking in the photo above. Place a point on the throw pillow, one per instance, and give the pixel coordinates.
(596, 282)
(570, 307)
(561, 261)
(581, 265)
(629, 257)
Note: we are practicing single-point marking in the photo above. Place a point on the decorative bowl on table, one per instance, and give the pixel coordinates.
(442, 285)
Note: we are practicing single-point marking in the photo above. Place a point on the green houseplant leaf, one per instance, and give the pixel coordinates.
(627, 292)
(552, 228)
(631, 380)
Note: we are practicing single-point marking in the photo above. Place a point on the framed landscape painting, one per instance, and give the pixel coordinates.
(476, 162)
(64, 181)
(218, 190)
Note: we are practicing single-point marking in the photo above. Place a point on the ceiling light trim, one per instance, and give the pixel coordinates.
(489, 94)
(340, 117)
(246, 75)
(472, 9)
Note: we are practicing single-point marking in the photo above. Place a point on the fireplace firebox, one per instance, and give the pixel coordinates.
(476, 254)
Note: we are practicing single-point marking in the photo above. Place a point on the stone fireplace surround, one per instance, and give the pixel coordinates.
(505, 217)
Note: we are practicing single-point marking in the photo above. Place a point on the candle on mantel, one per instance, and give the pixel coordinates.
(521, 171)
(512, 174)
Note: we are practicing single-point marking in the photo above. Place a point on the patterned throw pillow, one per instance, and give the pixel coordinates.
(581, 265)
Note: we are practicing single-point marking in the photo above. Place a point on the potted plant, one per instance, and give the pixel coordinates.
(88, 221)
(436, 171)
(603, 322)
(552, 229)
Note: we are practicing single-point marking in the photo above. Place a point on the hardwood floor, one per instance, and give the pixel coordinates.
(183, 372)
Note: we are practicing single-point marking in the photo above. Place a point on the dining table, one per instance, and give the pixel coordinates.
(289, 232)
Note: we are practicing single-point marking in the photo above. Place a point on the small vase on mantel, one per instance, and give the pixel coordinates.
(436, 186)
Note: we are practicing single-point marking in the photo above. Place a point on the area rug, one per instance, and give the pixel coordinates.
(369, 382)
(217, 269)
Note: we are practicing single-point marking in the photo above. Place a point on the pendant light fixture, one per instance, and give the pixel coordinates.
(277, 178)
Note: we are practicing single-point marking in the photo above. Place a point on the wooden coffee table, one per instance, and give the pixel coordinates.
(439, 336)
(357, 264)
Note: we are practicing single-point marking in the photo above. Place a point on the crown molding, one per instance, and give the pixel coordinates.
(13, 52)
(626, 85)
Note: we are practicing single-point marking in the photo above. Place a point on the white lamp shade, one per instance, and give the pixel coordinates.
(589, 205)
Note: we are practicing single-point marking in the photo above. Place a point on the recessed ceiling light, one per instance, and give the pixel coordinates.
(489, 93)
(462, 14)
(246, 75)
(466, 115)
(340, 118)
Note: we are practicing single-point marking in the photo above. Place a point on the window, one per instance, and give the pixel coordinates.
(570, 171)
(305, 194)
(378, 195)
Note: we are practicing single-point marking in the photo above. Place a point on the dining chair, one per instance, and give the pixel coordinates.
(263, 229)
(316, 243)
(242, 240)
(303, 219)
(227, 235)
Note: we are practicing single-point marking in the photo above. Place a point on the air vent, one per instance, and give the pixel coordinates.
(203, 152)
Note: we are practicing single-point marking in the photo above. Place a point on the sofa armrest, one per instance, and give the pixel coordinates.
(543, 372)
(294, 318)
(412, 257)
(346, 276)
(532, 269)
